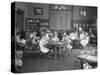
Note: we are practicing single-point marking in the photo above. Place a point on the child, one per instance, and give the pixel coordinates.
(20, 43)
(67, 39)
(55, 36)
(84, 39)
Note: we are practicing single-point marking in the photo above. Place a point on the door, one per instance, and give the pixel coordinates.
(53, 20)
(60, 19)
(19, 19)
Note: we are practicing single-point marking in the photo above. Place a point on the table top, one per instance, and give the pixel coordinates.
(87, 57)
(56, 43)
(20, 44)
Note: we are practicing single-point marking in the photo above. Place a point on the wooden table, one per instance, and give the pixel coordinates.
(86, 58)
(55, 45)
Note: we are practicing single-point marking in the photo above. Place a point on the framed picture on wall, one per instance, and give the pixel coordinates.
(82, 12)
(38, 11)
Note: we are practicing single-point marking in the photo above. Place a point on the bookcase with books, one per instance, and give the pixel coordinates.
(35, 24)
(88, 26)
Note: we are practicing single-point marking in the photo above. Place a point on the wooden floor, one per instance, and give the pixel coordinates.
(33, 64)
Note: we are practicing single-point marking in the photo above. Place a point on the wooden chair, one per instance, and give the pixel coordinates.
(30, 48)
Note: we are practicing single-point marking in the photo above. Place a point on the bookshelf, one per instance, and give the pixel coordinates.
(89, 26)
(32, 24)
(35, 24)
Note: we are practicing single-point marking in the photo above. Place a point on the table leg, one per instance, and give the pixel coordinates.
(55, 53)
